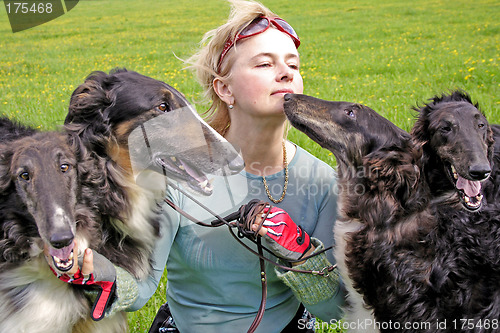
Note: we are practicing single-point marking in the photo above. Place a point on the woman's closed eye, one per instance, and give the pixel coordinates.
(264, 64)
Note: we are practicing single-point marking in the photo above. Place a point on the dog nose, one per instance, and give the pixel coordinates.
(479, 171)
(236, 164)
(61, 239)
(288, 97)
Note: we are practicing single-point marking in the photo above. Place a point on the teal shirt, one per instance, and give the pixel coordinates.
(213, 281)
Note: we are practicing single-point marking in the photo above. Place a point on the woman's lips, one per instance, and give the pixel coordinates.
(282, 91)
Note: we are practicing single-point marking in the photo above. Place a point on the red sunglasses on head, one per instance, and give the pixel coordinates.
(258, 26)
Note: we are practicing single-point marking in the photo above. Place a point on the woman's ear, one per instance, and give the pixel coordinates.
(223, 90)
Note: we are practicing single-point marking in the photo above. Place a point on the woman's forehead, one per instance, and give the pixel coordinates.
(270, 42)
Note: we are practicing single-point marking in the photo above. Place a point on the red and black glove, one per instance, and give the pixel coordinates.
(103, 278)
(286, 239)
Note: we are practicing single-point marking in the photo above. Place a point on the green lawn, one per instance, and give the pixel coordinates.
(387, 54)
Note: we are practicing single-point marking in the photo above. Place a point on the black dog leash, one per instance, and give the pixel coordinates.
(244, 230)
(254, 211)
(245, 217)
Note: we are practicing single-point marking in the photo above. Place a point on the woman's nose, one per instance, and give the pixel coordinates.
(285, 73)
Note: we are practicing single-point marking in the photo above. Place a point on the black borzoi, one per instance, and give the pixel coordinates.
(79, 184)
(415, 240)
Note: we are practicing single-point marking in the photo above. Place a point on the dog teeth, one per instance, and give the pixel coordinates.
(64, 265)
(206, 185)
(454, 171)
(476, 203)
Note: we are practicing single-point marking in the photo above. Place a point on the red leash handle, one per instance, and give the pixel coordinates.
(103, 278)
(286, 239)
(245, 217)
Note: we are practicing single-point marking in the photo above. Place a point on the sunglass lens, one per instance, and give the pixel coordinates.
(258, 25)
(286, 27)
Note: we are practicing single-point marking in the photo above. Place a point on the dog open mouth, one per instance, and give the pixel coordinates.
(180, 169)
(63, 258)
(469, 191)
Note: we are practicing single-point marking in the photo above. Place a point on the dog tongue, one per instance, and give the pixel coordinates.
(193, 173)
(471, 188)
(63, 253)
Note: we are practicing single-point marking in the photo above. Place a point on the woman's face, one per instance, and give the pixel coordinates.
(265, 68)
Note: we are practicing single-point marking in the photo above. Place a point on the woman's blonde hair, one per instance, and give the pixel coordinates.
(205, 62)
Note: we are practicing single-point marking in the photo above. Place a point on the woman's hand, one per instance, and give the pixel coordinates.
(87, 262)
(96, 272)
(283, 236)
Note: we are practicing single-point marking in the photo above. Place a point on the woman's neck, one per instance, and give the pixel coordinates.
(261, 146)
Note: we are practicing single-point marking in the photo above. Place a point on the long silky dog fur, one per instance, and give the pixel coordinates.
(411, 252)
(98, 201)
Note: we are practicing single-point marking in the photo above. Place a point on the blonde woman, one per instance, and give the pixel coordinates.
(246, 66)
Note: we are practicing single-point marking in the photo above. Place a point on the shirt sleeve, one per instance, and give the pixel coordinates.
(322, 295)
(169, 224)
(327, 216)
(330, 308)
(326, 296)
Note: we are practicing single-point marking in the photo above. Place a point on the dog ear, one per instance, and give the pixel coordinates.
(419, 130)
(100, 180)
(89, 125)
(490, 141)
(89, 100)
(5, 161)
(87, 114)
(395, 172)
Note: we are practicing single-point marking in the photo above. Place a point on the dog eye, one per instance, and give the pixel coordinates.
(65, 167)
(480, 125)
(25, 176)
(163, 107)
(350, 113)
(446, 129)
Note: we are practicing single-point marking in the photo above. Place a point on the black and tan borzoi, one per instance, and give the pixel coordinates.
(418, 233)
(78, 184)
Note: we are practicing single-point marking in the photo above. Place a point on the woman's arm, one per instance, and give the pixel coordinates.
(169, 224)
(322, 296)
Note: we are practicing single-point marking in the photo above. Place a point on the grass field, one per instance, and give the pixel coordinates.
(387, 54)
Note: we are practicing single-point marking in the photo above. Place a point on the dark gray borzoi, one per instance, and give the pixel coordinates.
(418, 232)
